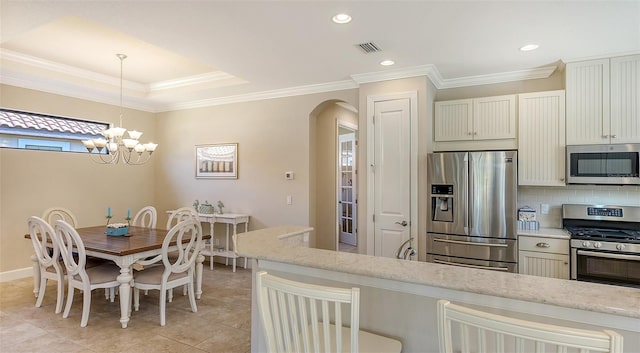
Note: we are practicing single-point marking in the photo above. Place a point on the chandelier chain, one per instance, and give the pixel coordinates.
(114, 147)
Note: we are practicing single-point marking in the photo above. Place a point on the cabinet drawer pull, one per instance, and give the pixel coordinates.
(543, 245)
(614, 136)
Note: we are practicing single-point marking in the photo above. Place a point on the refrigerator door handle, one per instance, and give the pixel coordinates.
(470, 243)
(469, 206)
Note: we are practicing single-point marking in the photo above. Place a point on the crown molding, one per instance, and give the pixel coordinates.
(191, 80)
(278, 93)
(62, 88)
(378, 76)
(51, 66)
(529, 74)
(607, 56)
(143, 102)
(434, 75)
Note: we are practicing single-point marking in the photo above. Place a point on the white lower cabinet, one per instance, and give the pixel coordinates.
(542, 256)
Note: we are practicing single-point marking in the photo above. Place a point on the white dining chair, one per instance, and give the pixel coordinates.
(301, 317)
(53, 214)
(78, 276)
(175, 270)
(181, 214)
(147, 217)
(479, 331)
(48, 255)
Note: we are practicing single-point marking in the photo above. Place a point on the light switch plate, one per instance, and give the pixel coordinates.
(544, 208)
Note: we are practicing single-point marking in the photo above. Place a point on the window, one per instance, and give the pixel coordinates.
(35, 131)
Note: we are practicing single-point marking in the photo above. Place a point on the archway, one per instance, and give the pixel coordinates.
(325, 125)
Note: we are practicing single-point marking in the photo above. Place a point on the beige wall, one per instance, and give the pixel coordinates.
(273, 137)
(326, 145)
(32, 181)
(414, 84)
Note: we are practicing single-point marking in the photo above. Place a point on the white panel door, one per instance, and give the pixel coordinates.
(541, 139)
(494, 118)
(392, 175)
(588, 102)
(625, 99)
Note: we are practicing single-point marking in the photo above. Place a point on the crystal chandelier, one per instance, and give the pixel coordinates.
(114, 147)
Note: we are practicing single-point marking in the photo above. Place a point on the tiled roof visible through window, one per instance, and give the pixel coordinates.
(15, 119)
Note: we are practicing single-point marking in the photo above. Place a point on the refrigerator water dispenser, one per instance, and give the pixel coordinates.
(442, 203)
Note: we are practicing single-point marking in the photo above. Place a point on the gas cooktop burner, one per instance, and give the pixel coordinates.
(619, 235)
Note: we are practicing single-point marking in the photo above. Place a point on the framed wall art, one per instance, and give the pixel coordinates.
(218, 161)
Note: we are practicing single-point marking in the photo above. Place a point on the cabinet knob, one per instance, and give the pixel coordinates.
(605, 136)
(613, 136)
(561, 179)
(475, 133)
(468, 133)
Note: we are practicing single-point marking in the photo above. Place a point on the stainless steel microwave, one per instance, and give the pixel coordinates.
(604, 164)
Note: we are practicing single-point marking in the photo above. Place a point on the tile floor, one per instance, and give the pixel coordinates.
(222, 323)
(347, 248)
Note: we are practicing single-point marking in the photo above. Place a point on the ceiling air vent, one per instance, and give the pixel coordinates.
(369, 47)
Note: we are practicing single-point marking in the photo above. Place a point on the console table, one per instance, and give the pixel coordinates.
(229, 251)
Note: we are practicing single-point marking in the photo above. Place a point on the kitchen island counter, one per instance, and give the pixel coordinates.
(588, 303)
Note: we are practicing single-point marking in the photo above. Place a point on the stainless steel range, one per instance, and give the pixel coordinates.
(605, 243)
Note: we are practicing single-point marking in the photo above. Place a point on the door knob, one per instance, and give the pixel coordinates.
(403, 223)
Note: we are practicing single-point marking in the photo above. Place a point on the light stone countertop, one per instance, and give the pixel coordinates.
(266, 244)
(546, 233)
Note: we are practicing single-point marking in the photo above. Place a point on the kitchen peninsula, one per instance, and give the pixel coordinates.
(398, 298)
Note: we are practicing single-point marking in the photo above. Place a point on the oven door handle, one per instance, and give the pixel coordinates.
(471, 266)
(470, 243)
(609, 255)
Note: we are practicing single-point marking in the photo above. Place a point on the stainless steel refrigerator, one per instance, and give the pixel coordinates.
(472, 209)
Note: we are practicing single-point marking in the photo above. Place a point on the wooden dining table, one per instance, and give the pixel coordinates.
(125, 251)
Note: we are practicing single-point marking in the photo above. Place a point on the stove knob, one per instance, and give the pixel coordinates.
(620, 247)
(597, 244)
(586, 244)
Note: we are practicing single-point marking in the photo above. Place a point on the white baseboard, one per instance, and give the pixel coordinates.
(20, 273)
(16, 274)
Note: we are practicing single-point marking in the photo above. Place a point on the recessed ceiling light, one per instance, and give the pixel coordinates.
(529, 47)
(341, 18)
(387, 62)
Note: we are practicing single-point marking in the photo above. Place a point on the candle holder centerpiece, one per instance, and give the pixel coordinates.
(118, 229)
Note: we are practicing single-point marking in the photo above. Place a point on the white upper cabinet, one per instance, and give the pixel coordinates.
(625, 99)
(541, 138)
(489, 118)
(494, 118)
(454, 120)
(603, 101)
